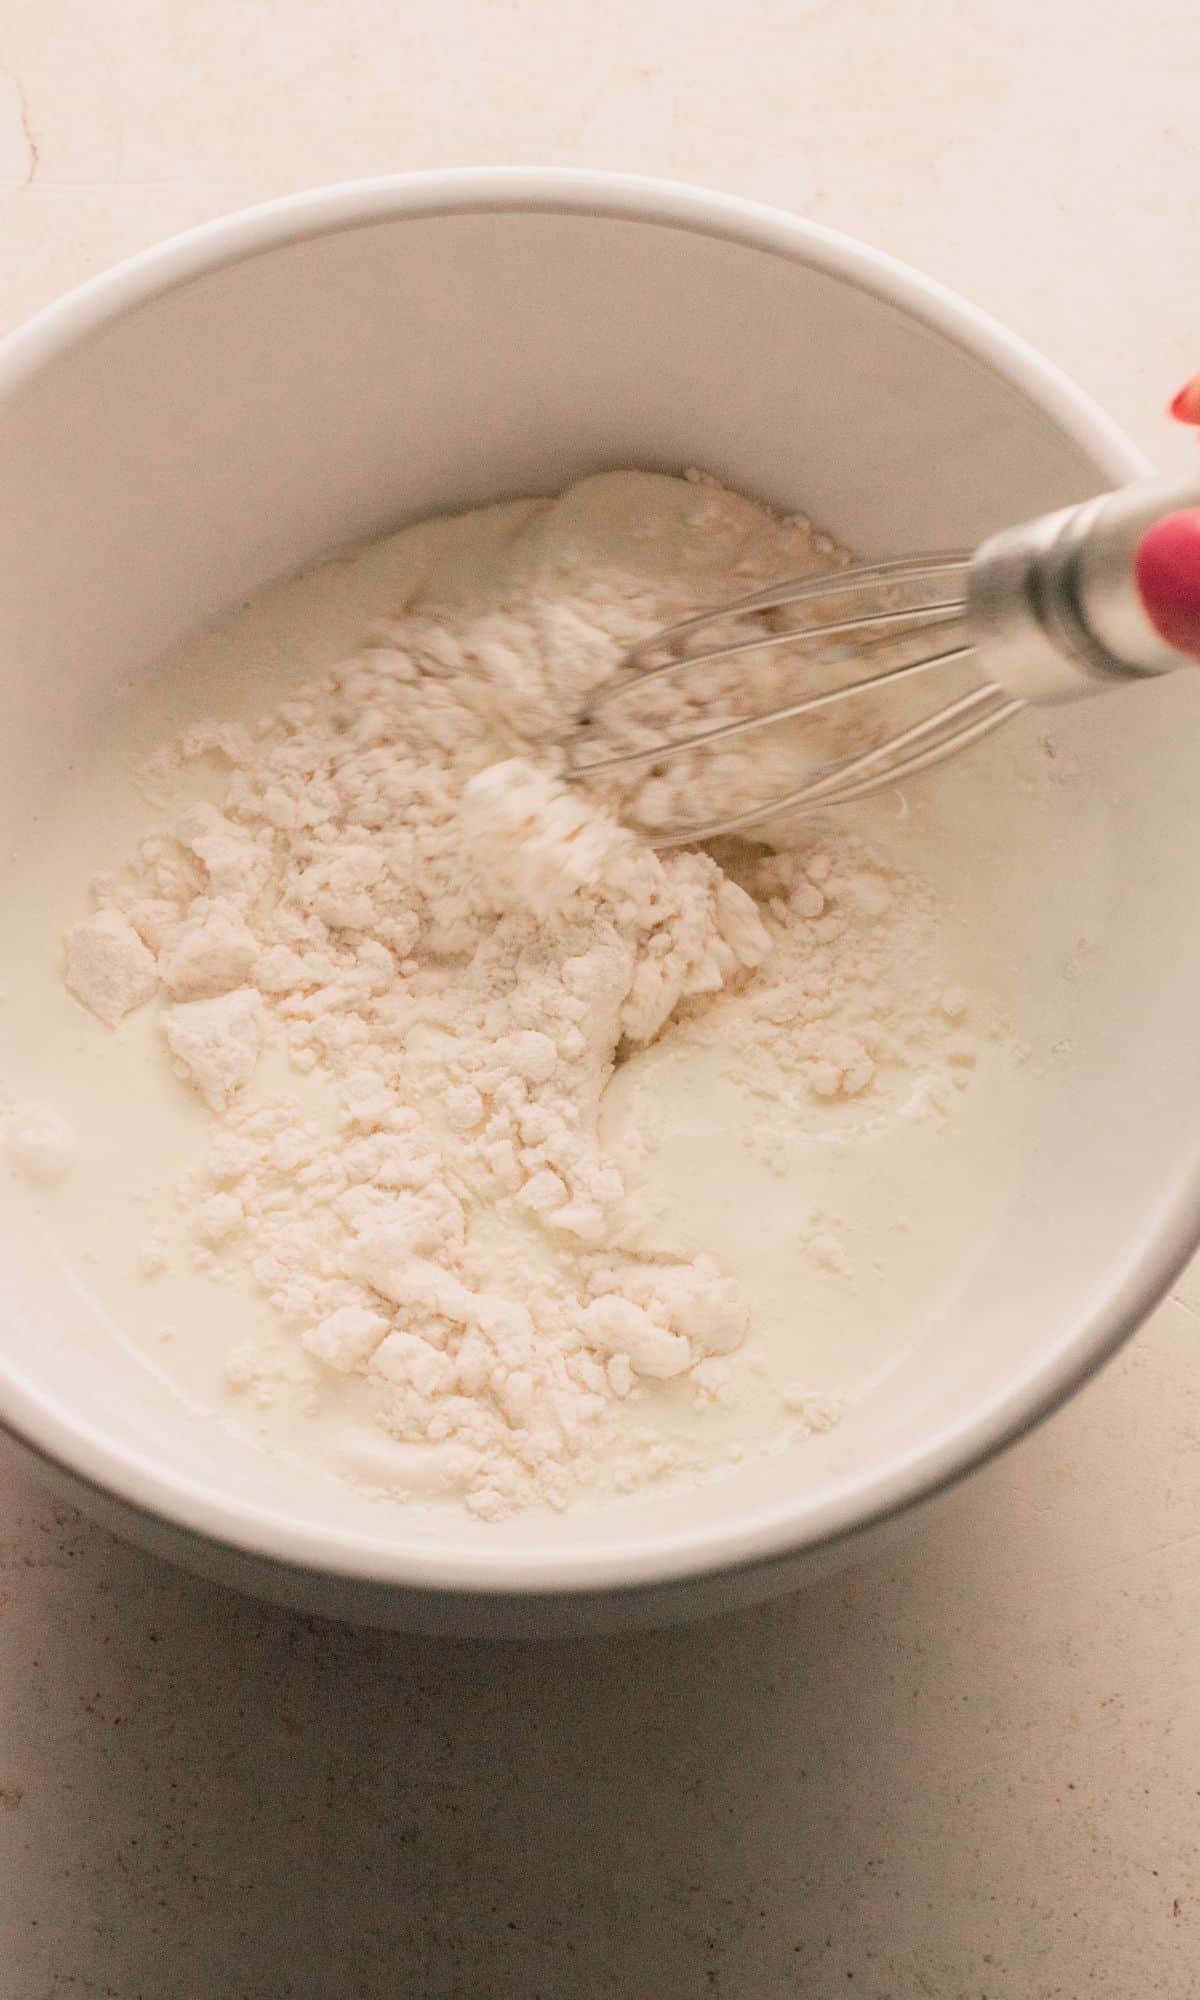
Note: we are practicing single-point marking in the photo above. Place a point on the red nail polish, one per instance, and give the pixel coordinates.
(1186, 405)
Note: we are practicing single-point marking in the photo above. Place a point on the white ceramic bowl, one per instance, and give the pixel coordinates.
(219, 411)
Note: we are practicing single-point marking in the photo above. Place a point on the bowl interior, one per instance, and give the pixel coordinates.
(224, 433)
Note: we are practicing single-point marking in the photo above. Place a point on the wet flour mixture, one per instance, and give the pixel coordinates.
(444, 1023)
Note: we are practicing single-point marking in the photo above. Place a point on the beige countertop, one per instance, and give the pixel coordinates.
(967, 1771)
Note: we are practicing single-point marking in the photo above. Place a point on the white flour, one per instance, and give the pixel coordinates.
(394, 890)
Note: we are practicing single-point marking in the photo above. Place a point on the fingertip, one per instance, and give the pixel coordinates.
(1167, 570)
(1185, 405)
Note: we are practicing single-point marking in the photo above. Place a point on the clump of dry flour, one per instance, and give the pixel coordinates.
(396, 892)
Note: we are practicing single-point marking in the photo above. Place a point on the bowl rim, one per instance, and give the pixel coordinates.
(767, 1533)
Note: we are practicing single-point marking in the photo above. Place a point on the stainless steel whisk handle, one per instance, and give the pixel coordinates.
(1102, 592)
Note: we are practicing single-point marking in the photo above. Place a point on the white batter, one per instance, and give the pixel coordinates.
(785, 1166)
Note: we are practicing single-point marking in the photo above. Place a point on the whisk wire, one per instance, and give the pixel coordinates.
(639, 668)
(946, 612)
(808, 705)
(864, 629)
(938, 736)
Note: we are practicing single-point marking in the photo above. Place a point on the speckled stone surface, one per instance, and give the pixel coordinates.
(970, 1771)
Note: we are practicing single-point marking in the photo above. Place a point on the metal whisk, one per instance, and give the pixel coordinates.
(1078, 601)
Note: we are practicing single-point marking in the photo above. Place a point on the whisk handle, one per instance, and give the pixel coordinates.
(1105, 591)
